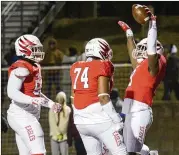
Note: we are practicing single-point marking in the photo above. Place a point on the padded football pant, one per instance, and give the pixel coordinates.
(94, 135)
(135, 128)
(29, 135)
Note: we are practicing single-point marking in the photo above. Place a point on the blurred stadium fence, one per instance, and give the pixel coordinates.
(54, 78)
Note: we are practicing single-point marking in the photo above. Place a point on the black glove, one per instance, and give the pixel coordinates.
(4, 124)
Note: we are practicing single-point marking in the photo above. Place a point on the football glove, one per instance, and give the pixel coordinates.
(56, 107)
(125, 28)
(45, 102)
(150, 14)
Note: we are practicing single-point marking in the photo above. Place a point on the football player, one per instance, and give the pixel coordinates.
(24, 90)
(94, 114)
(148, 71)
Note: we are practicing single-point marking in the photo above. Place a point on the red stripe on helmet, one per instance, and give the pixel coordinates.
(24, 45)
(20, 40)
(105, 48)
(25, 50)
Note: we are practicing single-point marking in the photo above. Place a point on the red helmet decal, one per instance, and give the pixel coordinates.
(24, 45)
(105, 47)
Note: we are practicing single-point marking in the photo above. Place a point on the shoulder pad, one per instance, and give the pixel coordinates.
(21, 72)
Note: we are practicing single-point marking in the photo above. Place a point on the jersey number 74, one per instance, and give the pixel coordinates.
(83, 75)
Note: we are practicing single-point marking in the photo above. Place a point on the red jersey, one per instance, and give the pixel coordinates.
(33, 82)
(142, 84)
(84, 77)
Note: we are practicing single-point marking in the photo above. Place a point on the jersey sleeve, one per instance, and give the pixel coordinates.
(106, 69)
(162, 62)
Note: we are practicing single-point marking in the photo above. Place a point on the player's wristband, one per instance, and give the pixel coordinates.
(129, 33)
(103, 94)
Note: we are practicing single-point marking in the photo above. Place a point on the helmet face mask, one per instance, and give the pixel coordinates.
(30, 47)
(98, 48)
(140, 52)
(37, 54)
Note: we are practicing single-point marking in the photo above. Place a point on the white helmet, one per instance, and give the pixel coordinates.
(99, 48)
(140, 52)
(30, 47)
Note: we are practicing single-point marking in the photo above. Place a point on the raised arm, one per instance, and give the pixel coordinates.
(153, 63)
(130, 41)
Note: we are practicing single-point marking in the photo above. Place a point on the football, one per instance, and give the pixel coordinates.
(139, 14)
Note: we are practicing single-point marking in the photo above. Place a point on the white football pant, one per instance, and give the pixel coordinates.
(29, 134)
(93, 135)
(135, 128)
